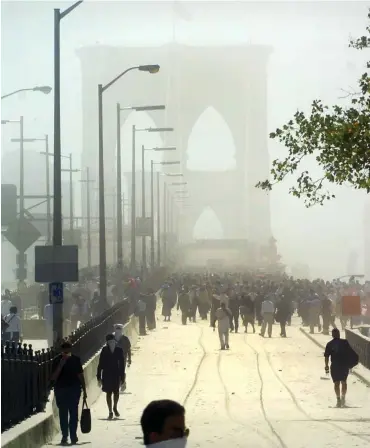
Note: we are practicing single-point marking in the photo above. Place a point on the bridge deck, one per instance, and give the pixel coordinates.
(261, 393)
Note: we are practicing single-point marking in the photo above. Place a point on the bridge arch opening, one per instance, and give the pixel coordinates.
(211, 144)
(208, 226)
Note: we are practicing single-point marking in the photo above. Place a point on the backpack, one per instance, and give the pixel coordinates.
(351, 356)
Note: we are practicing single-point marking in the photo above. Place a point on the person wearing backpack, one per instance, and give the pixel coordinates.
(343, 358)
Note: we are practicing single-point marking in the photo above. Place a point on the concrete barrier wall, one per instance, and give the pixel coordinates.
(42, 427)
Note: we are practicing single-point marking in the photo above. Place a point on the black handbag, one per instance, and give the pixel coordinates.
(85, 422)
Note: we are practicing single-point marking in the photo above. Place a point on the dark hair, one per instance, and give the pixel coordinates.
(155, 415)
(66, 344)
(13, 309)
(109, 337)
(335, 333)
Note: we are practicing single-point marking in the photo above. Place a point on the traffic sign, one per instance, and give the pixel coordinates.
(55, 293)
(8, 204)
(56, 264)
(143, 226)
(22, 234)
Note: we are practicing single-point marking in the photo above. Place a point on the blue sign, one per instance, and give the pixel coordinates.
(56, 293)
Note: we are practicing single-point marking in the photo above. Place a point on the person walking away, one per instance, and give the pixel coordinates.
(234, 309)
(6, 304)
(75, 313)
(283, 313)
(163, 425)
(48, 316)
(13, 326)
(124, 343)
(215, 304)
(223, 315)
(194, 304)
(204, 302)
(183, 303)
(151, 306)
(314, 313)
(326, 307)
(267, 311)
(247, 311)
(343, 358)
(141, 313)
(67, 379)
(166, 303)
(111, 373)
(258, 306)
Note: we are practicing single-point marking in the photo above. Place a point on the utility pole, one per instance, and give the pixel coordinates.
(133, 204)
(22, 275)
(152, 252)
(158, 221)
(143, 238)
(119, 192)
(70, 170)
(48, 204)
(165, 223)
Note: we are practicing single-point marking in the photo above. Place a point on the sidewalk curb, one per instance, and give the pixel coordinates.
(358, 375)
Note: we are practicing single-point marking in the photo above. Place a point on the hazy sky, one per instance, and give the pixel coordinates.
(311, 59)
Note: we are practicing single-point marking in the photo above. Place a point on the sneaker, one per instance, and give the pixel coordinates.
(64, 441)
(74, 441)
(116, 413)
(110, 416)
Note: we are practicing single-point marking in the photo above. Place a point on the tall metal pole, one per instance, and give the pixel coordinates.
(133, 204)
(71, 196)
(119, 192)
(158, 221)
(57, 201)
(48, 199)
(143, 239)
(21, 254)
(114, 228)
(165, 223)
(152, 253)
(102, 238)
(88, 217)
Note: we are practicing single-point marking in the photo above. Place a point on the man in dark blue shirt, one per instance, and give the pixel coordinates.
(337, 350)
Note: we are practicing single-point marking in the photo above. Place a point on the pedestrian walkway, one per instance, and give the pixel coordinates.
(261, 393)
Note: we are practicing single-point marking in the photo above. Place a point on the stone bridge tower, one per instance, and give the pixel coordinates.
(231, 79)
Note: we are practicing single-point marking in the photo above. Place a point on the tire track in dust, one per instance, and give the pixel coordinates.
(273, 430)
(196, 376)
(300, 408)
(227, 406)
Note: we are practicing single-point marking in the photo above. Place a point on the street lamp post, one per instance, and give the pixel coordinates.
(133, 189)
(119, 175)
(44, 89)
(57, 203)
(88, 181)
(102, 243)
(158, 222)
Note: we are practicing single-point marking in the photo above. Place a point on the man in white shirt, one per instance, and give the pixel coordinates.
(267, 311)
(6, 304)
(14, 329)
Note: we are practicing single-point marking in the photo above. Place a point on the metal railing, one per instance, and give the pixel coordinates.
(25, 374)
(361, 345)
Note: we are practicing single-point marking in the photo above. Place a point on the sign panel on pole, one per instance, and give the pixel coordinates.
(8, 204)
(55, 293)
(143, 226)
(21, 234)
(55, 264)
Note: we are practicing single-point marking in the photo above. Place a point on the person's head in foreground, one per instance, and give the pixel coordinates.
(163, 424)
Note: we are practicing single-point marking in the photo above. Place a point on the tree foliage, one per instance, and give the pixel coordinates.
(337, 136)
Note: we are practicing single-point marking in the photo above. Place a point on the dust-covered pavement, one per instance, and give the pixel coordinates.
(260, 393)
